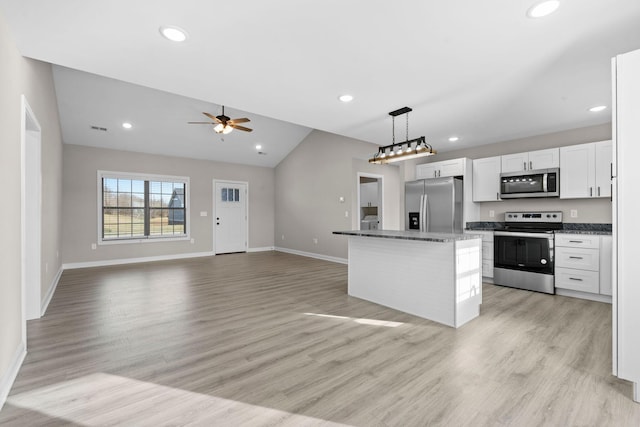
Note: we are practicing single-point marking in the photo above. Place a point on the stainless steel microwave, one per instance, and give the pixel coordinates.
(533, 183)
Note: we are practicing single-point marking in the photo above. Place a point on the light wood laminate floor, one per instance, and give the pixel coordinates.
(270, 339)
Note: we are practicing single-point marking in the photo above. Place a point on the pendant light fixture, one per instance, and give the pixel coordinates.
(405, 150)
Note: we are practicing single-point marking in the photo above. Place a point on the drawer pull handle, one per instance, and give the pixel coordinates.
(576, 241)
(573, 278)
(575, 257)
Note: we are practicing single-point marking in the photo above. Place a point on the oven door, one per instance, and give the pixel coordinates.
(531, 252)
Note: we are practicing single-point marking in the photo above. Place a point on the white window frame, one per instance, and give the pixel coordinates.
(144, 177)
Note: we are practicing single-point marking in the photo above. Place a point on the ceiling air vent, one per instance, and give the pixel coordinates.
(99, 128)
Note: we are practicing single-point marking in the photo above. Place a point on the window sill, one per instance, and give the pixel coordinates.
(143, 240)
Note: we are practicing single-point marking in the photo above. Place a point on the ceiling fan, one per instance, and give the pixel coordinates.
(224, 124)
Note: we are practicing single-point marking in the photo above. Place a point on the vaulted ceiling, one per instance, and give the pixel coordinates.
(479, 70)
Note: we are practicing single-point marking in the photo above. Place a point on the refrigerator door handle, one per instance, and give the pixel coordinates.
(421, 215)
(425, 209)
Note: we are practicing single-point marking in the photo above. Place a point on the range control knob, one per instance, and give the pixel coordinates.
(548, 216)
(554, 215)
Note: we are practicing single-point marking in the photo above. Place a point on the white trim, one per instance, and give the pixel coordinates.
(583, 295)
(52, 289)
(143, 177)
(313, 255)
(108, 262)
(7, 380)
(265, 249)
(30, 292)
(246, 211)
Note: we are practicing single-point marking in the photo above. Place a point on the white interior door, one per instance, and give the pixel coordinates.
(231, 218)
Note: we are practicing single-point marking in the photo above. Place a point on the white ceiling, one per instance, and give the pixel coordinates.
(481, 70)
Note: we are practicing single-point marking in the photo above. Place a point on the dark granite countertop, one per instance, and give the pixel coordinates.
(409, 235)
(568, 227)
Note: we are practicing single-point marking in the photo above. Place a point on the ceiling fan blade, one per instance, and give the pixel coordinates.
(212, 117)
(242, 120)
(240, 127)
(201, 123)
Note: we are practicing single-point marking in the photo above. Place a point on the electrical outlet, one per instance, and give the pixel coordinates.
(203, 213)
(93, 246)
(193, 241)
(492, 214)
(346, 214)
(574, 213)
(283, 237)
(315, 240)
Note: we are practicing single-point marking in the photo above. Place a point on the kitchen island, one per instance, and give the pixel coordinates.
(436, 276)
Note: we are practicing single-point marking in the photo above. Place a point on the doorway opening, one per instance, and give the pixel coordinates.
(370, 201)
(230, 205)
(31, 201)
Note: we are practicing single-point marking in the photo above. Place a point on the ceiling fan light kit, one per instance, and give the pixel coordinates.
(405, 150)
(224, 124)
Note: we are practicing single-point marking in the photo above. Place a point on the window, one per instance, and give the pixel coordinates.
(136, 207)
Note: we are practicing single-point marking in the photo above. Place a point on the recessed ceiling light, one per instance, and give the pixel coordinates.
(543, 8)
(127, 125)
(258, 147)
(453, 139)
(173, 33)
(346, 98)
(598, 108)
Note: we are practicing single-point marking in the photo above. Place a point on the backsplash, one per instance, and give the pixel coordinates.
(587, 211)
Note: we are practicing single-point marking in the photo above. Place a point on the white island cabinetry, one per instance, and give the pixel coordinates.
(431, 275)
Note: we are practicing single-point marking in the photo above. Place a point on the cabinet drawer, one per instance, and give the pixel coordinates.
(578, 240)
(577, 280)
(585, 259)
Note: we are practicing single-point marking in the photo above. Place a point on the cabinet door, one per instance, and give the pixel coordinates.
(577, 171)
(369, 194)
(515, 162)
(544, 159)
(427, 170)
(606, 261)
(603, 158)
(450, 168)
(486, 179)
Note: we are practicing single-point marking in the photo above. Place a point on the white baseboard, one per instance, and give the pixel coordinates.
(6, 380)
(266, 249)
(313, 255)
(104, 263)
(583, 295)
(50, 292)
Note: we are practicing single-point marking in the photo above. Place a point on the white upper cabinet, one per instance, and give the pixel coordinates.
(441, 169)
(585, 170)
(604, 157)
(368, 194)
(486, 179)
(532, 160)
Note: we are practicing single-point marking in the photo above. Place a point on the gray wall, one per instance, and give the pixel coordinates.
(309, 184)
(33, 79)
(80, 202)
(589, 210)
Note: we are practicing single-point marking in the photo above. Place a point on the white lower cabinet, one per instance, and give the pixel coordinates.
(487, 252)
(583, 263)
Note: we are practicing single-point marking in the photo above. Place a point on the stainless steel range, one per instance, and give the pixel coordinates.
(524, 251)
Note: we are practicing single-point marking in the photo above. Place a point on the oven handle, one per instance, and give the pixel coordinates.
(545, 186)
(547, 236)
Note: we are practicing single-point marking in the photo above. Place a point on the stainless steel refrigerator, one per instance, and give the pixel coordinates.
(434, 205)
